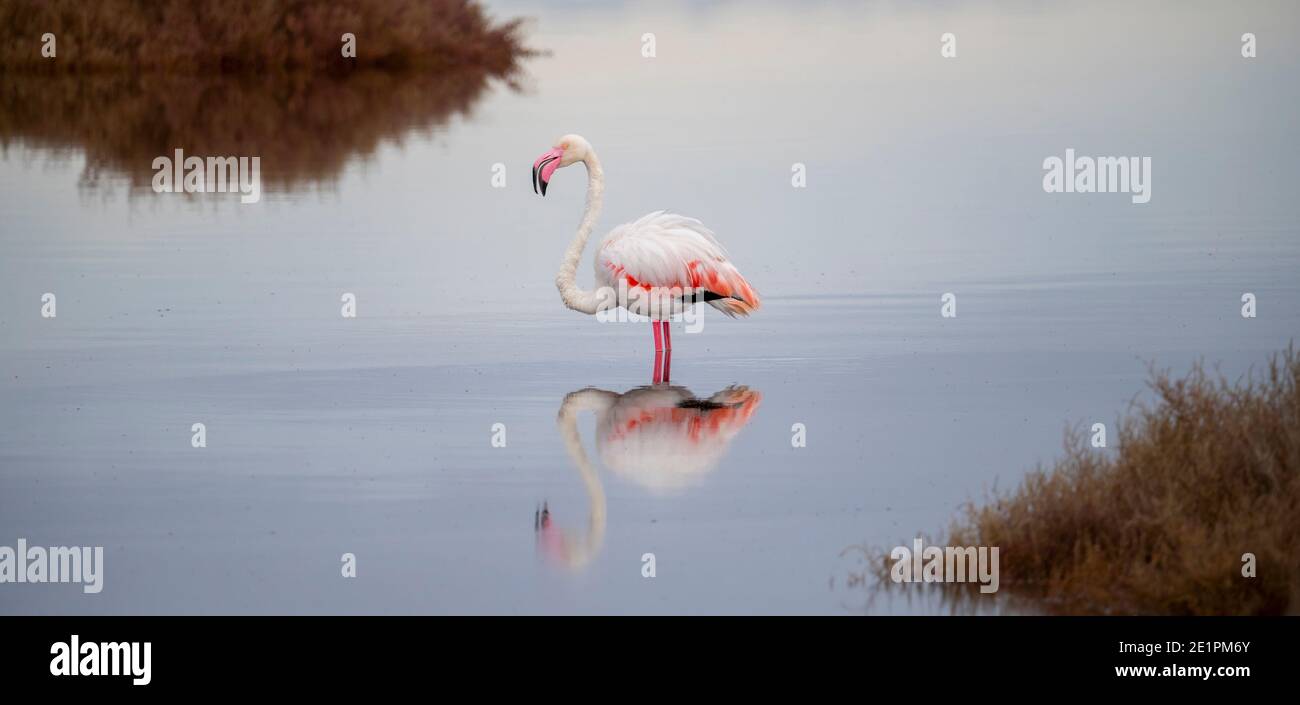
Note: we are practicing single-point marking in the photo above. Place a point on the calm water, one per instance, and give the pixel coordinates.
(372, 435)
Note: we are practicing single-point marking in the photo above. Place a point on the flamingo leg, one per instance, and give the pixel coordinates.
(657, 376)
(668, 338)
(668, 358)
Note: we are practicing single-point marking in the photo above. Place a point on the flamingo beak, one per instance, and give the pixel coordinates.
(544, 167)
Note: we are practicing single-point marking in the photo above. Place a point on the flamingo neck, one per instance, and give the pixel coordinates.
(582, 549)
(566, 280)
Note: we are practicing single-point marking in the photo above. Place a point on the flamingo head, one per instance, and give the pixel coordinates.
(568, 150)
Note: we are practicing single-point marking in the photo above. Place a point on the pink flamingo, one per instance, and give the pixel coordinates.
(674, 259)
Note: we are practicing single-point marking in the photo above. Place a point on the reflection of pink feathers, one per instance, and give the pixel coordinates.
(663, 438)
(667, 250)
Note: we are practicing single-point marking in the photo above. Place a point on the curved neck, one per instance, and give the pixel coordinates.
(582, 549)
(566, 280)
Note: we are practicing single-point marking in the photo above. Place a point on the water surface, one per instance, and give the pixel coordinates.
(373, 435)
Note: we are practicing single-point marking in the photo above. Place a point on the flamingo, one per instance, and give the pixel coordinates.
(674, 259)
(661, 437)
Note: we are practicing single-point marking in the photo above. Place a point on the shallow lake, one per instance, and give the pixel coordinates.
(374, 435)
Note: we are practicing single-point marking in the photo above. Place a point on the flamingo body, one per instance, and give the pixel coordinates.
(670, 251)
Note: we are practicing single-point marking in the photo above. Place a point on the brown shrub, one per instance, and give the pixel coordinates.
(137, 79)
(187, 36)
(1208, 471)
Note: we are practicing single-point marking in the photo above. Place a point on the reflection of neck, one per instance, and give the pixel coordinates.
(581, 552)
(566, 279)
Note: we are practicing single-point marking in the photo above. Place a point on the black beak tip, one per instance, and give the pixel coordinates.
(538, 170)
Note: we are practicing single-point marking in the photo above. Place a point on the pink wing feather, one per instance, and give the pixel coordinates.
(667, 250)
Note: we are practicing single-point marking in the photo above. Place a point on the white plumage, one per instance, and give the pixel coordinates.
(666, 250)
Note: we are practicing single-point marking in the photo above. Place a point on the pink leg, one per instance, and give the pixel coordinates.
(656, 377)
(668, 338)
(668, 358)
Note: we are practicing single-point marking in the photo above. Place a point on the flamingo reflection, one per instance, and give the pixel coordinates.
(661, 437)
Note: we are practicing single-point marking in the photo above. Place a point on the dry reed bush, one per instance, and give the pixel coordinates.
(136, 79)
(189, 36)
(1206, 472)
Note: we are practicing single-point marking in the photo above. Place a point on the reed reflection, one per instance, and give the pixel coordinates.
(305, 127)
